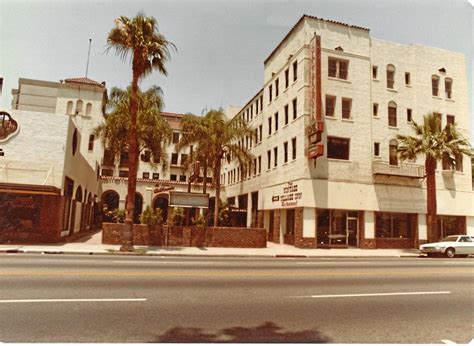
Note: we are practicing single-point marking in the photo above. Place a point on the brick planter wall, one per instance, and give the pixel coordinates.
(188, 236)
(394, 243)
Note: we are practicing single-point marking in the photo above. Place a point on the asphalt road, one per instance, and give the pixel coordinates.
(63, 298)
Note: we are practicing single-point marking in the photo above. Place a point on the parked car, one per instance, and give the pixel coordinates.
(450, 246)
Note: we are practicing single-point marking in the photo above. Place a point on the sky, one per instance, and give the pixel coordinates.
(221, 45)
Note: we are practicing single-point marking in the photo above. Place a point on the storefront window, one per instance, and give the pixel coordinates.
(450, 225)
(323, 226)
(394, 225)
(337, 227)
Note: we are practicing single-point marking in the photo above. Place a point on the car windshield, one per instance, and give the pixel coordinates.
(450, 238)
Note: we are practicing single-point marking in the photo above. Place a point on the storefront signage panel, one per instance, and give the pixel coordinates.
(290, 196)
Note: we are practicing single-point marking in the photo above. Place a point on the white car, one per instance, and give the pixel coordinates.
(450, 246)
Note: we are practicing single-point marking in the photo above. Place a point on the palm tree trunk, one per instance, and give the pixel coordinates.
(204, 187)
(127, 237)
(430, 166)
(217, 177)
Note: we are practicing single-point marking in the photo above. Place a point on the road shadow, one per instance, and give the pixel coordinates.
(267, 332)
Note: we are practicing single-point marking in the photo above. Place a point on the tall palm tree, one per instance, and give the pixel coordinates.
(149, 50)
(435, 144)
(217, 139)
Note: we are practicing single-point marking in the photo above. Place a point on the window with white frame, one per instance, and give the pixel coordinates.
(448, 86)
(435, 85)
(330, 105)
(390, 76)
(346, 108)
(392, 114)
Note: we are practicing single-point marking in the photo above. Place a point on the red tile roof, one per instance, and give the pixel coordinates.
(83, 80)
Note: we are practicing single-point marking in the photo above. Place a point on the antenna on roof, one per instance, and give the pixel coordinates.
(88, 57)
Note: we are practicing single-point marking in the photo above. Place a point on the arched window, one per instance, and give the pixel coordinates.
(79, 105)
(393, 155)
(390, 76)
(392, 114)
(70, 104)
(435, 85)
(78, 197)
(91, 142)
(89, 108)
(448, 87)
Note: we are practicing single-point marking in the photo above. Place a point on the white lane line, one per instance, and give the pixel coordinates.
(459, 262)
(372, 294)
(448, 342)
(72, 300)
(163, 262)
(333, 263)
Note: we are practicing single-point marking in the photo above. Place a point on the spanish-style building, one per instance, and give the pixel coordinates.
(326, 172)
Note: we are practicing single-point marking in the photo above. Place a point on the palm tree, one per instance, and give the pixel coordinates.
(436, 144)
(217, 138)
(149, 50)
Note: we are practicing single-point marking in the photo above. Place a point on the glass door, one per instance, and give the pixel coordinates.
(353, 228)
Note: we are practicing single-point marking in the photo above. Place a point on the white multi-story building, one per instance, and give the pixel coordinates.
(326, 173)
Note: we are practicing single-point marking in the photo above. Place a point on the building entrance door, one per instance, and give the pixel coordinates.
(352, 230)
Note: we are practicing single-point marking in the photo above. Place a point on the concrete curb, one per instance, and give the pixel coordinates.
(118, 253)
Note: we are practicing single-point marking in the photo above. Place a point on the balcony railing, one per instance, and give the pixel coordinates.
(402, 169)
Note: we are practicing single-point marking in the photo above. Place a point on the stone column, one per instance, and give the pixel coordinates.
(249, 210)
(367, 240)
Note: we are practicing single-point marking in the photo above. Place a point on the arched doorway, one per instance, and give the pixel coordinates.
(111, 200)
(161, 202)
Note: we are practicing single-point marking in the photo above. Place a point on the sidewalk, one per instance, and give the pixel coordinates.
(91, 245)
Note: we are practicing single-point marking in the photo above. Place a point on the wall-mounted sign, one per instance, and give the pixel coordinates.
(290, 196)
(189, 199)
(8, 126)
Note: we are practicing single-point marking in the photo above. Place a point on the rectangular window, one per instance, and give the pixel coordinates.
(91, 142)
(330, 104)
(173, 177)
(260, 129)
(409, 115)
(295, 110)
(256, 107)
(450, 119)
(182, 178)
(448, 84)
(393, 154)
(286, 114)
(287, 78)
(338, 148)
(146, 175)
(293, 148)
(295, 71)
(276, 122)
(375, 109)
(338, 68)
(277, 84)
(458, 158)
(346, 108)
(376, 149)
(254, 167)
(270, 95)
(261, 103)
(184, 157)
(269, 159)
(285, 152)
(175, 137)
(392, 116)
(269, 126)
(275, 158)
(407, 78)
(434, 86)
(123, 174)
(394, 225)
(259, 164)
(174, 159)
(146, 156)
(107, 172)
(374, 72)
(156, 176)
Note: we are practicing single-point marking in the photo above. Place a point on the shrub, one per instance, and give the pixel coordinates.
(199, 221)
(177, 219)
(151, 217)
(119, 215)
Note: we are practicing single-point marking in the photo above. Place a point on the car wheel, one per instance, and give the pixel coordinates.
(449, 252)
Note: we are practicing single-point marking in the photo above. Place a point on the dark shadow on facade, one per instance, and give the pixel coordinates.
(264, 333)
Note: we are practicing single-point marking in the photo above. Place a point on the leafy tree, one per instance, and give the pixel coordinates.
(149, 51)
(435, 144)
(217, 139)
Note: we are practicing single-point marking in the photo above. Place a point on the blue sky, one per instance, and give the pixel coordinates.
(221, 44)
